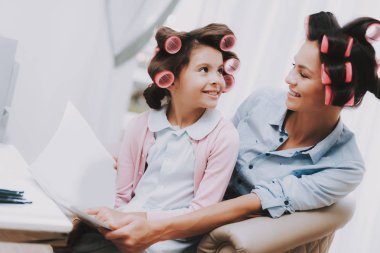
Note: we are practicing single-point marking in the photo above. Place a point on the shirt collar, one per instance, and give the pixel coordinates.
(277, 117)
(158, 121)
(323, 146)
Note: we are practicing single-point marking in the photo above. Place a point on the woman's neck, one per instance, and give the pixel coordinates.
(183, 117)
(307, 129)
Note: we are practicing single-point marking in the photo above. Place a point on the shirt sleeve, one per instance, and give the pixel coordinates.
(292, 193)
(220, 164)
(246, 107)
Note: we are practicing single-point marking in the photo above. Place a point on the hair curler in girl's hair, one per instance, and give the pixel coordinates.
(164, 79)
(231, 66)
(230, 82)
(173, 44)
(227, 42)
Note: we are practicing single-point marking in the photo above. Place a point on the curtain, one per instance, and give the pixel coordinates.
(8, 74)
(131, 24)
(74, 50)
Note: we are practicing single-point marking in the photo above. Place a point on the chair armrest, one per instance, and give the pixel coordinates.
(268, 235)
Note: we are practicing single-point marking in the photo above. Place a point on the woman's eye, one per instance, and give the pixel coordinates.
(303, 75)
(203, 69)
(220, 71)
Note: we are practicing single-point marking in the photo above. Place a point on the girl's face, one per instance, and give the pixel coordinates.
(306, 91)
(201, 82)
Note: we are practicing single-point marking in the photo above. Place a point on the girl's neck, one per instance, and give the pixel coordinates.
(183, 117)
(307, 129)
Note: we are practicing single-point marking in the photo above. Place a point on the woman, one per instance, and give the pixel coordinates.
(295, 152)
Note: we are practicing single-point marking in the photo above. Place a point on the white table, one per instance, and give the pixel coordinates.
(41, 221)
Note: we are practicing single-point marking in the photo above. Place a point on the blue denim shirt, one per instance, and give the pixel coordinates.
(293, 179)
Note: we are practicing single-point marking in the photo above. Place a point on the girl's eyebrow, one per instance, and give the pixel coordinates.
(208, 65)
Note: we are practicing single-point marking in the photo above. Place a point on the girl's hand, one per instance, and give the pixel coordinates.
(113, 217)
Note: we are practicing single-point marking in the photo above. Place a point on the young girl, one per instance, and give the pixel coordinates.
(179, 157)
(295, 152)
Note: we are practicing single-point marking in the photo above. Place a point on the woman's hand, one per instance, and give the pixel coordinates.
(132, 234)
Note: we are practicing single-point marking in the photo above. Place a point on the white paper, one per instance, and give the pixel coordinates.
(75, 169)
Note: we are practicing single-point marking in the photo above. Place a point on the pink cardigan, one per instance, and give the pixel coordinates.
(215, 157)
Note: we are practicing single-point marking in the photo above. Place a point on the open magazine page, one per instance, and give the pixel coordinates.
(74, 169)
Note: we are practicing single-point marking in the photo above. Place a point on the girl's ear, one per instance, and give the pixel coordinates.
(173, 86)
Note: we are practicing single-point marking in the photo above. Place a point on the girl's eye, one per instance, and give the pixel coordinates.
(203, 69)
(302, 75)
(220, 71)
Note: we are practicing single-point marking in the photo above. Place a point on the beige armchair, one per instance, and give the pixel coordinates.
(301, 232)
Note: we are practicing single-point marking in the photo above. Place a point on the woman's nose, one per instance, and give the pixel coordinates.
(291, 77)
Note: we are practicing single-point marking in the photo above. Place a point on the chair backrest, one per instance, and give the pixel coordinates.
(287, 233)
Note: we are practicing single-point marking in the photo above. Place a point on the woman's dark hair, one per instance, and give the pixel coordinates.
(362, 56)
(209, 35)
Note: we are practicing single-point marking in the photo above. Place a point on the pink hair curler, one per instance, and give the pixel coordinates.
(227, 42)
(230, 82)
(173, 44)
(328, 95)
(306, 25)
(373, 33)
(348, 72)
(164, 79)
(325, 44)
(349, 47)
(324, 76)
(350, 102)
(231, 66)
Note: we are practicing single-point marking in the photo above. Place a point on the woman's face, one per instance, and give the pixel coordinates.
(201, 82)
(306, 91)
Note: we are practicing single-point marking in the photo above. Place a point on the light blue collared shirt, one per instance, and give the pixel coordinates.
(293, 179)
(168, 182)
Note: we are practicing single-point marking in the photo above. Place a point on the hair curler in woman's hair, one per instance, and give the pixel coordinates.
(325, 45)
(164, 79)
(173, 44)
(373, 33)
(231, 66)
(227, 42)
(306, 25)
(230, 82)
(324, 76)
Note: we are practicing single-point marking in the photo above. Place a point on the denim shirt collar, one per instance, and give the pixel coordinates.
(276, 119)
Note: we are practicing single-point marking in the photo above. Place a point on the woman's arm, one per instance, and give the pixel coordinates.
(135, 234)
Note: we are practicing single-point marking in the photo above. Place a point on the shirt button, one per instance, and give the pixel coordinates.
(281, 139)
(267, 154)
(250, 166)
(286, 202)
